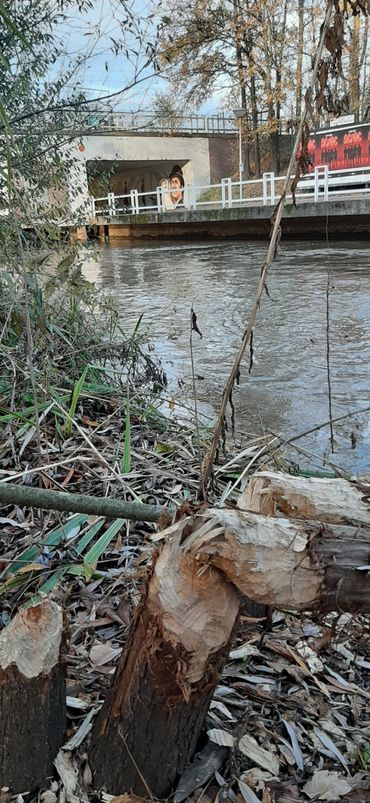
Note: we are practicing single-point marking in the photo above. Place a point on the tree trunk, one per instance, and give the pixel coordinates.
(32, 696)
(256, 139)
(298, 73)
(354, 57)
(149, 726)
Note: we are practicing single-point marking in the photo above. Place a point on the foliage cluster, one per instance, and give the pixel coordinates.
(257, 55)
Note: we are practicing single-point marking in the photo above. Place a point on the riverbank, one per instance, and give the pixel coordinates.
(294, 686)
(87, 410)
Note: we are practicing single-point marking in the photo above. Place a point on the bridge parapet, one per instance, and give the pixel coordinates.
(145, 122)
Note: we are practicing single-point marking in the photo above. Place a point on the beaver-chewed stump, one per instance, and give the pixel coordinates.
(32, 696)
(150, 724)
(152, 719)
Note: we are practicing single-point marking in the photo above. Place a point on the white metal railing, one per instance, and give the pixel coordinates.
(321, 185)
(105, 119)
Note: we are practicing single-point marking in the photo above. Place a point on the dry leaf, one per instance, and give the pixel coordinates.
(250, 748)
(331, 747)
(313, 662)
(296, 750)
(48, 796)
(68, 775)
(101, 654)
(247, 792)
(243, 651)
(325, 785)
(222, 738)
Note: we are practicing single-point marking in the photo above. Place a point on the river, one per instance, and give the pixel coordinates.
(287, 390)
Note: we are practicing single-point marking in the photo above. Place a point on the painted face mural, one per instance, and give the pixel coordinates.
(173, 188)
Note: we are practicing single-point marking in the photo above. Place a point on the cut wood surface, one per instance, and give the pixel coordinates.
(149, 727)
(32, 696)
(292, 565)
(331, 500)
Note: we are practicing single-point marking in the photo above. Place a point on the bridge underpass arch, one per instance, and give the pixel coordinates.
(122, 176)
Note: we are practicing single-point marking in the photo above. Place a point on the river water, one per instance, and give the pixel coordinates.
(287, 390)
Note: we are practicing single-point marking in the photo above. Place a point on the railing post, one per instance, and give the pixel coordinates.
(224, 193)
(321, 182)
(111, 204)
(229, 192)
(326, 182)
(273, 195)
(265, 189)
(192, 196)
(93, 210)
(268, 189)
(134, 202)
(159, 199)
(137, 207)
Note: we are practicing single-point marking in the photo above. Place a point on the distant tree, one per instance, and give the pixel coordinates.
(166, 111)
(43, 103)
(258, 55)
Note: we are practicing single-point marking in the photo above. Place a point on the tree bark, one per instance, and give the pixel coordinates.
(149, 726)
(298, 73)
(32, 696)
(10, 493)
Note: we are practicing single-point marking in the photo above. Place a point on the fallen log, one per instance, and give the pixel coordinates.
(291, 565)
(330, 500)
(150, 724)
(32, 696)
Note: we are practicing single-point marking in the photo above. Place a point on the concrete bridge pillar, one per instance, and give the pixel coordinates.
(78, 196)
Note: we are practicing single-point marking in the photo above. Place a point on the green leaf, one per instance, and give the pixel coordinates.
(92, 557)
(75, 397)
(126, 461)
(54, 538)
(88, 537)
(137, 325)
(13, 27)
(46, 587)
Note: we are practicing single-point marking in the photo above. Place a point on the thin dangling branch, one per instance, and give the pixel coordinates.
(328, 355)
(271, 253)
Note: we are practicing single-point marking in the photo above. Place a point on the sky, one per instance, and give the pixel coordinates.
(105, 72)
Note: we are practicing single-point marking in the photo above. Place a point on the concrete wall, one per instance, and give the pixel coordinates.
(139, 162)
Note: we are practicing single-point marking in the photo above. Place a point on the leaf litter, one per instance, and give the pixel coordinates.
(290, 718)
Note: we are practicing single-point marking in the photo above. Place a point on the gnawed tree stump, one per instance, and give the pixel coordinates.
(32, 696)
(150, 724)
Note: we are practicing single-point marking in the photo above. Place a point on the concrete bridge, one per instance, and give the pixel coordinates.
(127, 152)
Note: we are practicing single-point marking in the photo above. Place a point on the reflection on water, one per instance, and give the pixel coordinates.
(287, 389)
